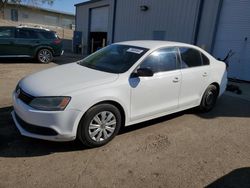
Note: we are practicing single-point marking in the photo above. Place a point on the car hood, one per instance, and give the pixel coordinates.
(62, 80)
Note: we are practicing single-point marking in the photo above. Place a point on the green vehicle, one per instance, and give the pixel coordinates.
(26, 42)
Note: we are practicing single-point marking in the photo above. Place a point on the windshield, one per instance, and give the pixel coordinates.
(114, 58)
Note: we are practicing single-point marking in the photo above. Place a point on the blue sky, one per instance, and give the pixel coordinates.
(64, 5)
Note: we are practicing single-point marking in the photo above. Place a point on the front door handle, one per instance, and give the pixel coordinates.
(204, 74)
(176, 79)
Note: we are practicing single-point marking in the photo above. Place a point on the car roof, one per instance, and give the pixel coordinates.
(154, 44)
(27, 27)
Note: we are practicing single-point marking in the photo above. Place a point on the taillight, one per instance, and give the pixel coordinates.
(57, 41)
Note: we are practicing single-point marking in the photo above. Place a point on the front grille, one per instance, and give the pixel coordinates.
(35, 129)
(23, 96)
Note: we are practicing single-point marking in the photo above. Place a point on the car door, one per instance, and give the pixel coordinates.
(26, 41)
(195, 75)
(6, 41)
(156, 95)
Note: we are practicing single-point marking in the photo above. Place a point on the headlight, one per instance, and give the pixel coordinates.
(50, 103)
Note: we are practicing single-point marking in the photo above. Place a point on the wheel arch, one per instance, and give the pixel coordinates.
(217, 86)
(117, 105)
(112, 102)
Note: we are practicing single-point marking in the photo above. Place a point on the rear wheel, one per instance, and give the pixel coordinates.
(99, 125)
(44, 56)
(209, 99)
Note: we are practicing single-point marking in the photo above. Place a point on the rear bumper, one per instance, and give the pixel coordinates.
(223, 84)
(60, 53)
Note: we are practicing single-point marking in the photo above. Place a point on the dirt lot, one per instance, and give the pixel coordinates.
(186, 149)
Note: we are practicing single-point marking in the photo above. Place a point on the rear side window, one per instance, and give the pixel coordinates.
(190, 58)
(26, 34)
(161, 60)
(6, 33)
(47, 35)
(205, 59)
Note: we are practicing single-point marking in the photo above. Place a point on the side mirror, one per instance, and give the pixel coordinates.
(144, 72)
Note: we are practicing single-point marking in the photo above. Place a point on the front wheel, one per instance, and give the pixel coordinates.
(209, 99)
(99, 125)
(44, 56)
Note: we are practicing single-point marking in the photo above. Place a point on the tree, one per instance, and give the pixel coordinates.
(3, 3)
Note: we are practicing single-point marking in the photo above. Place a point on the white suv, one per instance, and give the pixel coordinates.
(119, 85)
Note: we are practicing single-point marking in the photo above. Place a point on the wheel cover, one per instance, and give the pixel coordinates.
(102, 126)
(44, 56)
(210, 98)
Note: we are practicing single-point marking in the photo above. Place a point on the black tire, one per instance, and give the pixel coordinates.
(209, 99)
(83, 132)
(44, 55)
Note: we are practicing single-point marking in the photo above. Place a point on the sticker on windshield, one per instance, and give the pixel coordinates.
(135, 50)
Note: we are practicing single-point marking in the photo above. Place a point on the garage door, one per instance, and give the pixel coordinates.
(99, 19)
(234, 33)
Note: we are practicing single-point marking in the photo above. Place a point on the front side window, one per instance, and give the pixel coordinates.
(6, 33)
(161, 60)
(114, 58)
(190, 57)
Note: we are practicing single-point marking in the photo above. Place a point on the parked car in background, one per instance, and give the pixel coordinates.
(119, 85)
(38, 43)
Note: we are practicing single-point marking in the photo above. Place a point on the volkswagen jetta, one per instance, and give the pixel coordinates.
(120, 85)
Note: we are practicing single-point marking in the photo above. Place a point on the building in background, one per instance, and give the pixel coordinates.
(215, 25)
(30, 14)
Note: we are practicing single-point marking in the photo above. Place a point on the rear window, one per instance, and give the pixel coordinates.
(48, 35)
(6, 33)
(26, 34)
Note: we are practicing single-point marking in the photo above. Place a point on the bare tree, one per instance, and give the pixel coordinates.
(3, 4)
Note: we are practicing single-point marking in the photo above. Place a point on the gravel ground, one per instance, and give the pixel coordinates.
(187, 149)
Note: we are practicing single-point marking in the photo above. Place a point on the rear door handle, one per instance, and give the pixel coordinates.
(176, 79)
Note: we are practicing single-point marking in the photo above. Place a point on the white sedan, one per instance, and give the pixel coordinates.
(120, 85)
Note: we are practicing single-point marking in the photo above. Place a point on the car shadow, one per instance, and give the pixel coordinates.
(228, 106)
(12, 144)
(146, 124)
(18, 60)
(239, 178)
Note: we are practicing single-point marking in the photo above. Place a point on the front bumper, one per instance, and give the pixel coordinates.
(53, 126)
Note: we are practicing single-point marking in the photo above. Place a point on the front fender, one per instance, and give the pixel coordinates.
(113, 92)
